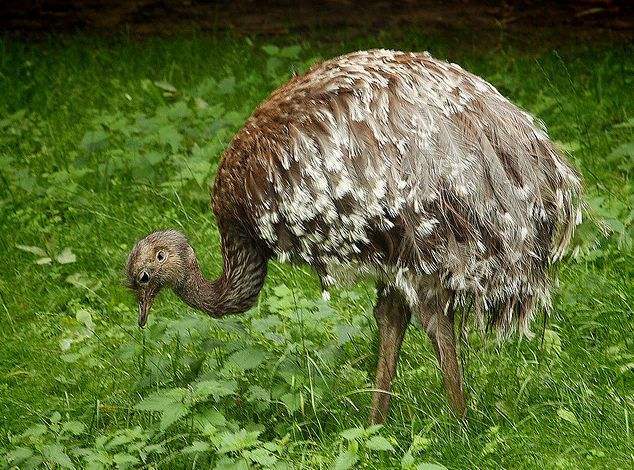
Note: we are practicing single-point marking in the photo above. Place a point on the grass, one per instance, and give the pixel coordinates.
(103, 141)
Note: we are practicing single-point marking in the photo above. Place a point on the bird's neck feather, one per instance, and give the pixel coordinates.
(237, 289)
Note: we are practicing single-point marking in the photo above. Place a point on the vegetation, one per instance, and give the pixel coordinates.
(103, 141)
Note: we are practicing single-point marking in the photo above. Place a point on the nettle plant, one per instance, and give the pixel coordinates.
(177, 145)
(284, 359)
(208, 383)
(44, 443)
(172, 139)
(364, 445)
(54, 444)
(266, 366)
(204, 388)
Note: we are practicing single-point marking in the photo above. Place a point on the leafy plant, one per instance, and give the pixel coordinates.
(44, 443)
(102, 142)
(176, 403)
(360, 443)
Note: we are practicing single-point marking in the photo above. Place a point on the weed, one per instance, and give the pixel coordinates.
(102, 142)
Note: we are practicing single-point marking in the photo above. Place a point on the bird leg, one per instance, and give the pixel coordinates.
(392, 317)
(439, 326)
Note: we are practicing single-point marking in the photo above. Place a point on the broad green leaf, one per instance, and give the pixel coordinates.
(35, 431)
(430, 466)
(118, 440)
(628, 123)
(93, 140)
(623, 150)
(18, 454)
(261, 456)
(124, 460)
(245, 359)
(226, 85)
(178, 111)
(32, 249)
(196, 169)
(212, 416)
(243, 439)
(230, 463)
(420, 443)
(54, 453)
(373, 429)
(234, 118)
(352, 434)
(154, 158)
(162, 400)
(273, 65)
(169, 135)
(257, 393)
(552, 341)
(208, 422)
(290, 52)
(196, 447)
(173, 414)
(616, 225)
(345, 460)
(272, 446)
(44, 260)
(82, 281)
(24, 180)
(74, 427)
(84, 317)
(165, 86)
(379, 443)
(282, 290)
(200, 103)
(292, 401)
(567, 415)
(66, 256)
(271, 49)
(408, 460)
(346, 333)
(216, 388)
(266, 323)
(154, 449)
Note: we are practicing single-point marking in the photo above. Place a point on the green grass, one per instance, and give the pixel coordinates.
(94, 154)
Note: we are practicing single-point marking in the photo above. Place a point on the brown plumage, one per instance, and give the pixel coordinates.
(394, 166)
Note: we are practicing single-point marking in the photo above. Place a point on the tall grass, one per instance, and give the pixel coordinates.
(102, 141)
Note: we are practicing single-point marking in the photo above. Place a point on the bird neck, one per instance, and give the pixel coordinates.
(237, 289)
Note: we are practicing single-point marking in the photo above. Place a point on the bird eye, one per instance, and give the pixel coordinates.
(160, 255)
(144, 277)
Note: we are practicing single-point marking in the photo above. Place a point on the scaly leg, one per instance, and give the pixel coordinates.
(439, 326)
(392, 317)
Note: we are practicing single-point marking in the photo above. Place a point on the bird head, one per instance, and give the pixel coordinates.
(156, 261)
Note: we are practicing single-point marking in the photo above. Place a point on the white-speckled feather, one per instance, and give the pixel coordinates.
(411, 170)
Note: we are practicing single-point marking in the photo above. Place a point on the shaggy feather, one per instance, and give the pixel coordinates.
(405, 168)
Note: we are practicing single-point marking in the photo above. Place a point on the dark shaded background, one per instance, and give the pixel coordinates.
(589, 18)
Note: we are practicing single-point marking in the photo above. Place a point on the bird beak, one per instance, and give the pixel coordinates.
(145, 302)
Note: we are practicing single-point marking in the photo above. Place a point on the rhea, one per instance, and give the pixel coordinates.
(396, 167)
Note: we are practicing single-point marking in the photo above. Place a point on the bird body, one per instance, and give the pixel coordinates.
(390, 165)
(407, 169)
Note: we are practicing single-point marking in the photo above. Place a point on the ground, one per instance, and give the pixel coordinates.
(105, 140)
(569, 19)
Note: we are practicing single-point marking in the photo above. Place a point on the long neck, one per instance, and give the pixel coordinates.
(237, 289)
